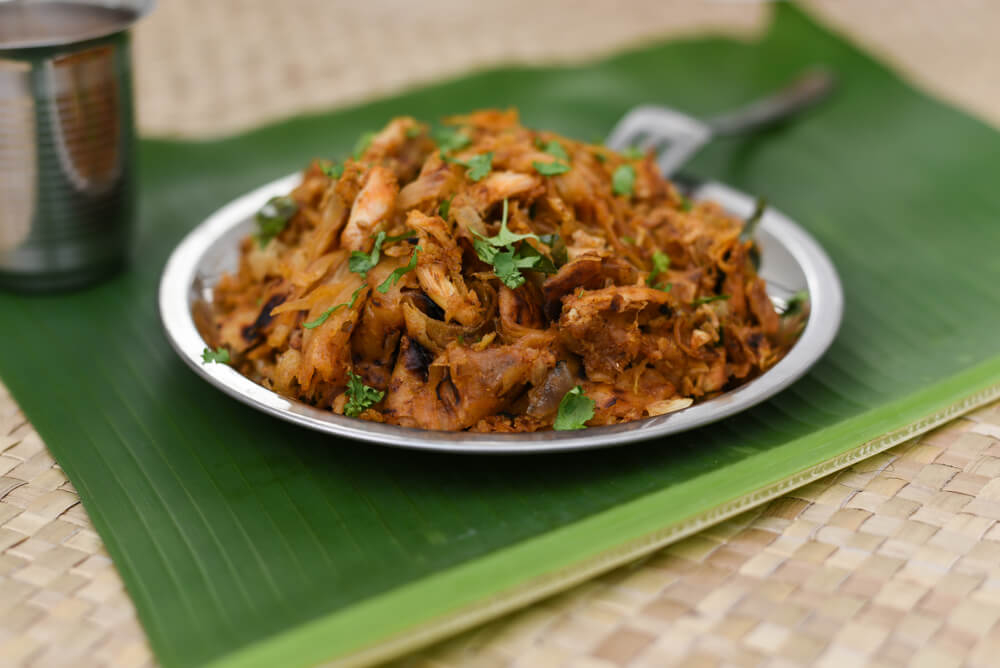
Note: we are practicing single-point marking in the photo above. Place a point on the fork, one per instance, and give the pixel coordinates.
(676, 137)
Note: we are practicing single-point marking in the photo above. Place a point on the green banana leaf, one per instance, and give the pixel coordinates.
(247, 541)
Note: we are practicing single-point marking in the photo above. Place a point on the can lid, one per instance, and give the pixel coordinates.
(27, 24)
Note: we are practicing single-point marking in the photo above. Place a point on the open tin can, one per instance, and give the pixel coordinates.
(67, 141)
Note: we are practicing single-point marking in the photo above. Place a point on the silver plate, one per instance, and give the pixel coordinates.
(791, 261)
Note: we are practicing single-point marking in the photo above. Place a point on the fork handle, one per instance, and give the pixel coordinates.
(805, 91)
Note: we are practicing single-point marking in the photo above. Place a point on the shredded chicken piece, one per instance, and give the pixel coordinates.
(462, 323)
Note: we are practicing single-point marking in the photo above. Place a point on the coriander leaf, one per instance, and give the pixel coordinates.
(220, 356)
(549, 239)
(414, 131)
(398, 272)
(354, 295)
(706, 300)
(449, 139)
(628, 240)
(665, 287)
(623, 180)
(507, 266)
(445, 207)
(273, 217)
(661, 262)
(795, 303)
(550, 168)
(556, 150)
(544, 264)
(505, 237)
(485, 250)
(360, 397)
(362, 263)
(633, 153)
(323, 316)
(560, 256)
(686, 203)
(750, 227)
(479, 166)
(331, 170)
(600, 156)
(364, 141)
(574, 410)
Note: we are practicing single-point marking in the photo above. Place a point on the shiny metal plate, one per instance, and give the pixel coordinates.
(791, 261)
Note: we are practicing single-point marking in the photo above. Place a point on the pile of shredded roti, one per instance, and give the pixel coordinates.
(484, 276)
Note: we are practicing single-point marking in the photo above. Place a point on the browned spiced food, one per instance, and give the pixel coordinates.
(489, 277)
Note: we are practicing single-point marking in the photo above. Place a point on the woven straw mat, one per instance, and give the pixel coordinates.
(895, 561)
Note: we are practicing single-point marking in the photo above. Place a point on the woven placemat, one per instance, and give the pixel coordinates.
(895, 560)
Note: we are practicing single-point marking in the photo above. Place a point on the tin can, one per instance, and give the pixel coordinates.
(67, 142)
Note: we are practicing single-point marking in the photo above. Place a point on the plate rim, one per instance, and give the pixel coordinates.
(826, 303)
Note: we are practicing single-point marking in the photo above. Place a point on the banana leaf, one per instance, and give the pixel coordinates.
(246, 541)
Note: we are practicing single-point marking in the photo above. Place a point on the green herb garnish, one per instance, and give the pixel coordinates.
(398, 272)
(364, 141)
(449, 139)
(323, 316)
(600, 156)
(273, 217)
(628, 240)
(414, 131)
(507, 260)
(633, 153)
(408, 234)
(623, 180)
(795, 303)
(445, 207)
(550, 168)
(360, 397)
(661, 262)
(362, 263)
(750, 227)
(686, 203)
(220, 356)
(556, 150)
(707, 300)
(479, 166)
(574, 410)
(332, 170)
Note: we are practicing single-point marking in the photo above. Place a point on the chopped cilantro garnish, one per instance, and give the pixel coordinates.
(574, 410)
(795, 303)
(333, 309)
(445, 207)
(623, 180)
(661, 262)
(600, 156)
(686, 203)
(414, 131)
(364, 141)
(507, 261)
(706, 300)
(272, 218)
(556, 150)
(507, 266)
(332, 170)
(360, 397)
(544, 264)
(362, 263)
(750, 227)
(398, 272)
(479, 166)
(220, 356)
(449, 139)
(633, 153)
(628, 240)
(559, 254)
(323, 316)
(550, 168)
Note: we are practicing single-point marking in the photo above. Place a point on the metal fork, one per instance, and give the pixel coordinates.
(676, 137)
